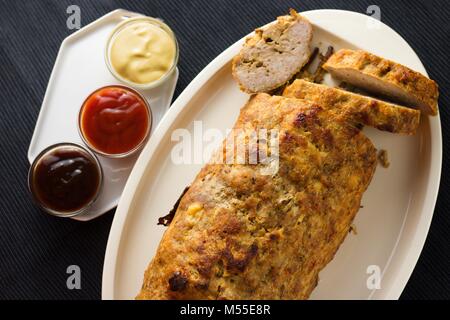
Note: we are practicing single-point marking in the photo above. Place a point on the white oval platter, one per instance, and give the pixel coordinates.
(398, 206)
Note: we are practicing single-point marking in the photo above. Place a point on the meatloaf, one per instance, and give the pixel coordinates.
(357, 108)
(385, 77)
(240, 233)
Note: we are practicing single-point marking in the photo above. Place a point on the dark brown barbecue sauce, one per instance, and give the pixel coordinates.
(65, 179)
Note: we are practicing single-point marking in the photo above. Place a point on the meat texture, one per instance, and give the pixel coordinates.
(357, 108)
(385, 77)
(273, 55)
(242, 234)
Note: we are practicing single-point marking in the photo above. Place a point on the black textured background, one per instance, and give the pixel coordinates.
(36, 249)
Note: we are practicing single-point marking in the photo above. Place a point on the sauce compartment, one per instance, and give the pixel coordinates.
(65, 179)
(115, 121)
(142, 52)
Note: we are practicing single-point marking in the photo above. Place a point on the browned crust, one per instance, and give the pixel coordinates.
(358, 108)
(412, 82)
(239, 234)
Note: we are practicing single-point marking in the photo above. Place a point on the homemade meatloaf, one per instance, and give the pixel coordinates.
(385, 77)
(240, 233)
(273, 55)
(357, 108)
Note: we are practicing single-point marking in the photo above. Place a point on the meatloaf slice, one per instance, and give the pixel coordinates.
(358, 108)
(385, 77)
(273, 55)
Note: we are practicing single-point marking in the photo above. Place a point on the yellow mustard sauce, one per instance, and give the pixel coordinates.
(142, 52)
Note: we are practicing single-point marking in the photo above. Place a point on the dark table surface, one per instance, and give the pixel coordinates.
(36, 249)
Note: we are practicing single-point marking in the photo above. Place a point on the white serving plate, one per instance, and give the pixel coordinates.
(79, 69)
(398, 206)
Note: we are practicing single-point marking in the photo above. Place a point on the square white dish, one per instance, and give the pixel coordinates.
(80, 69)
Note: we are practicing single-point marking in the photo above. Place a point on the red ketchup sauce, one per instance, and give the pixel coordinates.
(115, 120)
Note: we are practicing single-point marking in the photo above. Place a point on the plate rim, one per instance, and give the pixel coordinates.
(137, 174)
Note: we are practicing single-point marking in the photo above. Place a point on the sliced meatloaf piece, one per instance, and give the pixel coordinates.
(385, 77)
(273, 55)
(358, 108)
